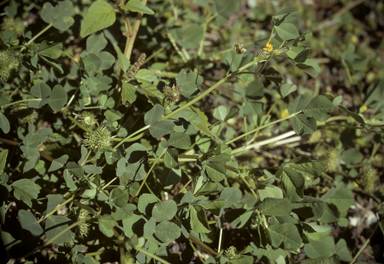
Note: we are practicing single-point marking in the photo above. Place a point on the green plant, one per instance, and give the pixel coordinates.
(128, 151)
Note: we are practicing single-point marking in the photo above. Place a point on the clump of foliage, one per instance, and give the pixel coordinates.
(137, 134)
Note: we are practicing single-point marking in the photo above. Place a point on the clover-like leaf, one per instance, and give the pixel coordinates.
(29, 222)
(58, 98)
(137, 6)
(26, 190)
(60, 16)
(100, 15)
(56, 224)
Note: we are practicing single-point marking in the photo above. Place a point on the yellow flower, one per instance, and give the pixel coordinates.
(268, 47)
(363, 108)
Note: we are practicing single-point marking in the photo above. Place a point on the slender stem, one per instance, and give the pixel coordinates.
(129, 140)
(85, 160)
(262, 127)
(63, 232)
(153, 55)
(196, 99)
(109, 183)
(265, 118)
(39, 34)
(185, 185)
(153, 165)
(133, 33)
(249, 187)
(57, 208)
(150, 190)
(130, 136)
(202, 245)
(74, 120)
(220, 238)
(151, 255)
(173, 42)
(4, 2)
(196, 252)
(367, 241)
(23, 101)
(264, 142)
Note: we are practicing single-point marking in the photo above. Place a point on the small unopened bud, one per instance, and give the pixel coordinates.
(172, 94)
(239, 48)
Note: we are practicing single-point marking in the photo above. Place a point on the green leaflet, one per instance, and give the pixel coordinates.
(99, 16)
(60, 16)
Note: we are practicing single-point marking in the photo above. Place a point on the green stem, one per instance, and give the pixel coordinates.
(4, 2)
(151, 255)
(153, 55)
(130, 136)
(85, 160)
(129, 140)
(150, 170)
(63, 232)
(366, 242)
(150, 190)
(262, 127)
(133, 33)
(23, 101)
(39, 34)
(74, 120)
(196, 252)
(249, 187)
(210, 89)
(233, 58)
(57, 208)
(109, 183)
(265, 118)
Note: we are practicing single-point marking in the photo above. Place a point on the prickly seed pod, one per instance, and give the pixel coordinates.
(332, 161)
(83, 228)
(369, 178)
(9, 64)
(98, 139)
(30, 119)
(13, 25)
(315, 137)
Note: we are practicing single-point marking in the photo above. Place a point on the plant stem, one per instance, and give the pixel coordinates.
(57, 208)
(39, 34)
(202, 245)
(63, 232)
(213, 87)
(153, 165)
(74, 120)
(264, 142)
(249, 187)
(129, 140)
(262, 127)
(23, 101)
(85, 160)
(151, 255)
(153, 55)
(220, 238)
(133, 34)
(130, 136)
(367, 241)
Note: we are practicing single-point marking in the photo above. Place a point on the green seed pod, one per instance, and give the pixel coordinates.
(99, 139)
(369, 179)
(332, 161)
